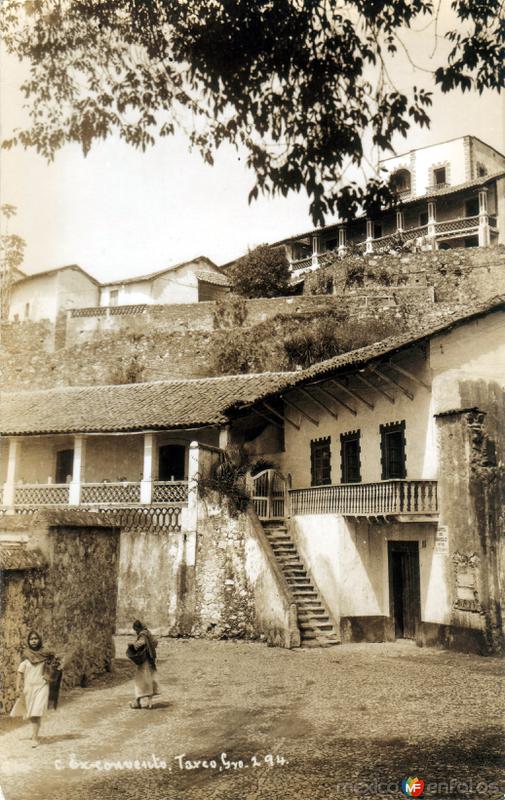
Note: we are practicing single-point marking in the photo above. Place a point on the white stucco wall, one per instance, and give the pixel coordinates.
(178, 285)
(419, 430)
(422, 160)
(48, 294)
(348, 562)
(39, 293)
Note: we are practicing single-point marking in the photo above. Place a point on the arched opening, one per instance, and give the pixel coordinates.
(401, 181)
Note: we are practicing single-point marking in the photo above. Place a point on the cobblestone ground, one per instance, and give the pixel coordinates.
(349, 722)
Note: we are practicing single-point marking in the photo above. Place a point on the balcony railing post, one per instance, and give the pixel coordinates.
(484, 235)
(316, 248)
(432, 221)
(342, 241)
(369, 236)
(74, 495)
(10, 482)
(146, 484)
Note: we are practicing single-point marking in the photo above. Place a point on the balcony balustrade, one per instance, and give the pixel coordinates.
(121, 499)
(387, 498)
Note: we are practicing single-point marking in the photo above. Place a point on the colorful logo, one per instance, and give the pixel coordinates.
(413, 787)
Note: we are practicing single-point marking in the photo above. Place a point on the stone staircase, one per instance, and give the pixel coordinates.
(316, 628)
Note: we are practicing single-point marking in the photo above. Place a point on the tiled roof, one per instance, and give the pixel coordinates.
(162, 405)
(15, 556)
(166, 405)
(152, 275)
(213, 277)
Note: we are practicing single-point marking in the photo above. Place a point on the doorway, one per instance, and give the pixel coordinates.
(172, 462)
(404, 588)
(64, 466)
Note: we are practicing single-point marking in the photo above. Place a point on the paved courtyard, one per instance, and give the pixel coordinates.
(270, 724)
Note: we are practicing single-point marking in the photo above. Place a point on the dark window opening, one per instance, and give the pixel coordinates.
(393, 457)
(350, 451)
(64, 466)
(331, 244)
(439, 176)
(472, 241)
(172, 462)
(472, 207)
(320, 461)
(113, 297)
(423, 218)
(401, 180)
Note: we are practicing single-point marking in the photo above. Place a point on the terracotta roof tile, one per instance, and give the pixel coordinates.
(162, 405)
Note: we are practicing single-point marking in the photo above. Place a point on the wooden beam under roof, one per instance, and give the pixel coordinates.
(300, 411)
(318, 402)
(375, 388)
(352, 393)
(283, 417)
(392, 382)
(268, 419)
(337, 399)
(408, 374)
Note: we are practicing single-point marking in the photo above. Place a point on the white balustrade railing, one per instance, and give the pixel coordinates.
(110, 493)
(30, 494)
(170, 492)
(461, 224)
(367, 499)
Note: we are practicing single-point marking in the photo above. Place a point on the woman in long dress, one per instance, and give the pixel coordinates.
(33, 684)
(143, 654)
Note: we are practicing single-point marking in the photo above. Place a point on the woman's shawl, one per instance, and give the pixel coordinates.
(36, 656)
(150, 644)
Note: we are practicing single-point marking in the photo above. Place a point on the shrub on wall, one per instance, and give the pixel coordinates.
(263, 272)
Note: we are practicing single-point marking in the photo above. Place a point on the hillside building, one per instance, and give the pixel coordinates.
(451, 194)
(72, 289)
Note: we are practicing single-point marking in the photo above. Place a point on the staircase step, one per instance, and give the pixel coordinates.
(295, 580)
(319, 643)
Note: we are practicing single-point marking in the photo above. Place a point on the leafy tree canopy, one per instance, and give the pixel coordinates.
(263, 272)
(296, 83)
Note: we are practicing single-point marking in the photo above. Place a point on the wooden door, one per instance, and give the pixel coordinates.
(404, 588)
(64, 466)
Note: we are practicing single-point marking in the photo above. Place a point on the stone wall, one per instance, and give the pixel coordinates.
(69, 596)
(459, 275)
(229, 587)
(471, 490)
(179, 341)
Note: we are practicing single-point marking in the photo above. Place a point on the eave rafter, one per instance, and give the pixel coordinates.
(317, 401)
(300, 411)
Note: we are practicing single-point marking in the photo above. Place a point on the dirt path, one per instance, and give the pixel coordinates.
(345, 722)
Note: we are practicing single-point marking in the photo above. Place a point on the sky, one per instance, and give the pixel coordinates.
(119, 212)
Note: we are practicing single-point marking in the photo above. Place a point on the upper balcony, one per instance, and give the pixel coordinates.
(404, 500)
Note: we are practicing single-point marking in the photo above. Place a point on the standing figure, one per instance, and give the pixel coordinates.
(143, 654)
(37, 674)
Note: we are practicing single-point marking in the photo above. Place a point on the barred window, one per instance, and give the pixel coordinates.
(393, 456)
(350, 457)
(320, 461)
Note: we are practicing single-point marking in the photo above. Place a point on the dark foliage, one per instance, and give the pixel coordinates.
(294, 84)
(264, 272)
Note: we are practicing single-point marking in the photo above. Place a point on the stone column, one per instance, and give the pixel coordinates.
(10, 482)
(400, 223)
(432, 218)
(74, 496)
(146, 484)
(342, 241)
(484, 235)
(369, 236)
(316, 249)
